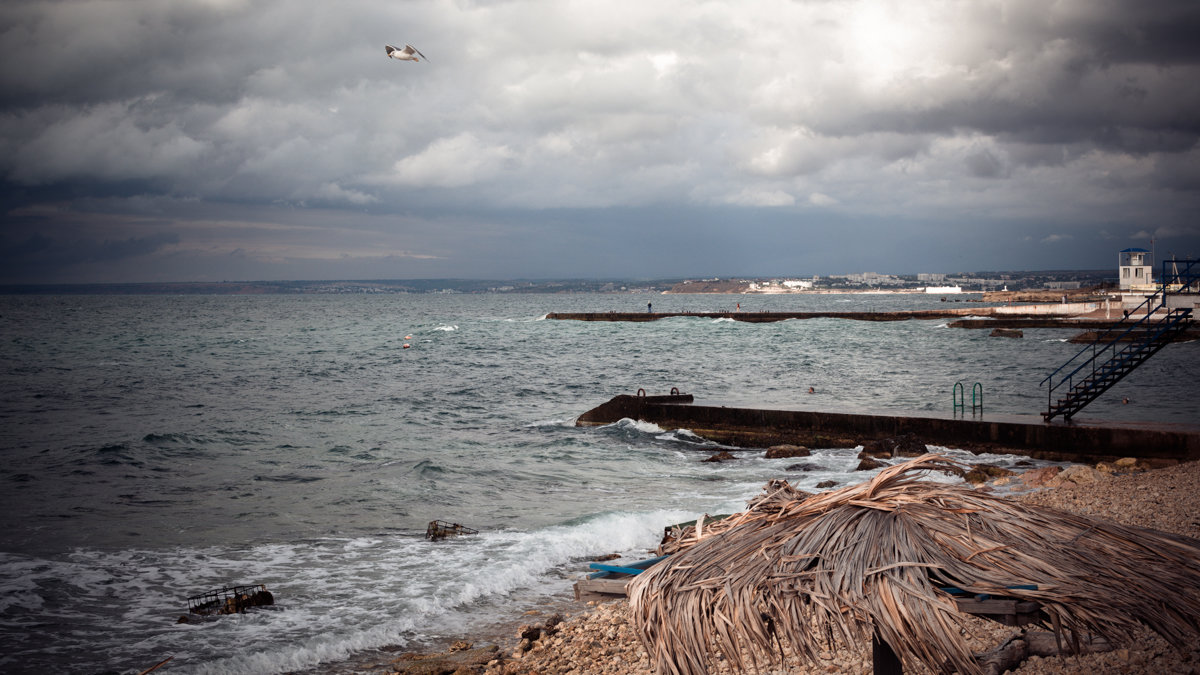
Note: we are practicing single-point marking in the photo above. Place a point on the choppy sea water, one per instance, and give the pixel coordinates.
(157, 447)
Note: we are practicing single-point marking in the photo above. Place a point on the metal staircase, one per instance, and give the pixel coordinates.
(1126, 345)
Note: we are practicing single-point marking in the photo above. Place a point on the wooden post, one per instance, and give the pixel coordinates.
(883, 660)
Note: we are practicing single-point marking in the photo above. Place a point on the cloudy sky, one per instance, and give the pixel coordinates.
(147, 140)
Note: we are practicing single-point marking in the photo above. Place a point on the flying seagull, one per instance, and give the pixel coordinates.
(406, 54)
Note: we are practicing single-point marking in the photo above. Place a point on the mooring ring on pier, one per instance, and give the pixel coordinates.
(674, 391)
(641, 393)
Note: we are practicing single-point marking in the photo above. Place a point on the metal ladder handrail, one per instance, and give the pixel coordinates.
(1135, 350)
(1117, 367)
(1100, 338)
(1120, 357)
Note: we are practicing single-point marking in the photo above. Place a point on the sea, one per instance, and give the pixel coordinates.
(157, 447)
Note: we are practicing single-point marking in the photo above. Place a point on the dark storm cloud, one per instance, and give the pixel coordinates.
(180, 132)
(23, 258)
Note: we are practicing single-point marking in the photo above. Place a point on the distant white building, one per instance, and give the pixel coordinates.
(943, 289)
(1135, 269)
(797, 283)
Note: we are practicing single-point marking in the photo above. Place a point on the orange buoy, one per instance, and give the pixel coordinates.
(406, 345)
(407, 337)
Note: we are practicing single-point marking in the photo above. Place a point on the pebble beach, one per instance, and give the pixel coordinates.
(598, 639)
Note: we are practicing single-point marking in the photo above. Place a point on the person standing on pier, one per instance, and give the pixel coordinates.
(648, 306)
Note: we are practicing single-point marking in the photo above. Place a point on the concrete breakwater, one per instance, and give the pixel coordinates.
(759, 317)
(1078, 441)
(1046, 315)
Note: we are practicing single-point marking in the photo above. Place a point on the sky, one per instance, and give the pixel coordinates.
(210, 140)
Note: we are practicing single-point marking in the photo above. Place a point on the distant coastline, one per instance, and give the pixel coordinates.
(1050, 282)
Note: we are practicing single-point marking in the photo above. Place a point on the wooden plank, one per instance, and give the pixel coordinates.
(610, 586)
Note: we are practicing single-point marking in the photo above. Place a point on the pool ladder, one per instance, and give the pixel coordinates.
(959, 397)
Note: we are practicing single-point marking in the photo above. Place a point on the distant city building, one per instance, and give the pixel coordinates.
(1062, 285)
(870, 279)
(797, 283)
(930, 277)
(943, 289)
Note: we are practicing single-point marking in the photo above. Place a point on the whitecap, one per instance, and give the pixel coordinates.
(565, 422)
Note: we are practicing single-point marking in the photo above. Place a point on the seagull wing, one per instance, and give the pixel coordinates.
(410, 49)
(389, 49)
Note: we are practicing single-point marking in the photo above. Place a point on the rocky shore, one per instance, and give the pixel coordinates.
(598, 639)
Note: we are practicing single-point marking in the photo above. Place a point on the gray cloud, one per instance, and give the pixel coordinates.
(188, 130)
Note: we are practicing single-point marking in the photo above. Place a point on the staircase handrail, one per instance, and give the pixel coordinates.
(1111, 343)
(1175, 281)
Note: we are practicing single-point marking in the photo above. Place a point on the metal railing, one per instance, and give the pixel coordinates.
(1125, 345)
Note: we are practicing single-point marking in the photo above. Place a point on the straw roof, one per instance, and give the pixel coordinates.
(805, 571)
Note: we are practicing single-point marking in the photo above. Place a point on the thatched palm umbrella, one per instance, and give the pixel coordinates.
(872, 559)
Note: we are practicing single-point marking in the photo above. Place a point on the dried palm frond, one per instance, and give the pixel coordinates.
(874, 558)
(678, 538)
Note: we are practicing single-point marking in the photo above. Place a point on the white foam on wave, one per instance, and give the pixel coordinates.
(335, 596)
(565, 422)
(724, 319)
(689, 437)
(447, 328)
(636, 425)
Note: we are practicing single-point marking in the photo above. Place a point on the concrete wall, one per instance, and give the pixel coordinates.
(754, 428)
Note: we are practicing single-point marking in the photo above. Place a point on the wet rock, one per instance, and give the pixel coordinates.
(462, 660)
(805, 466)
(784, 451)
(722, 456)
(905, 445)
(982, 473)
(875, 449)
(867, 464)
(826, 484)
(908, 446)
(1007, 332)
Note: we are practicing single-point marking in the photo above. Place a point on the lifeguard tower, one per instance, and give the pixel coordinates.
(1134, 267)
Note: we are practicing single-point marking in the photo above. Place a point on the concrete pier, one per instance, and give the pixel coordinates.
(1035, 315)
(1077, 441)
(762, 317)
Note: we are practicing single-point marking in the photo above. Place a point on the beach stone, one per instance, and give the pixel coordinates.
(867, 464)
(722, 456)
(784, 451)
(1039, 477)
(1080, 474)
(826, 484)
(1126, 462)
